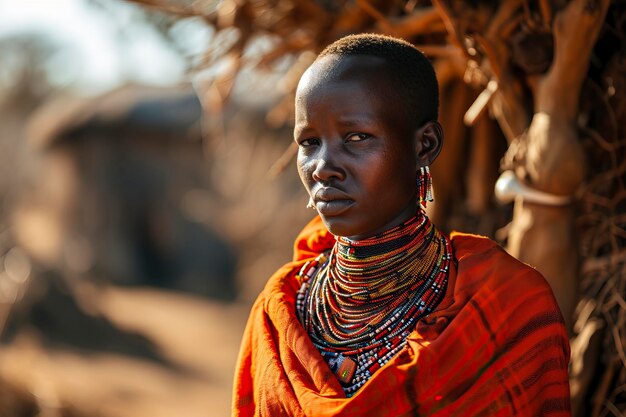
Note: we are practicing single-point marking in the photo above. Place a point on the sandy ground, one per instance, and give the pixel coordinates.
(197, 339)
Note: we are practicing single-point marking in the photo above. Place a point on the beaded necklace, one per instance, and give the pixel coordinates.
(361, 300)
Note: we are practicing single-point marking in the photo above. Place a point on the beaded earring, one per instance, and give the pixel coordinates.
(424, 186)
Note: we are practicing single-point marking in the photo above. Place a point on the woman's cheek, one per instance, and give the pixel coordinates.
(304, 172)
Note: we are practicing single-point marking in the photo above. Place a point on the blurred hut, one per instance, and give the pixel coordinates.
(106, 198)
(95, 204)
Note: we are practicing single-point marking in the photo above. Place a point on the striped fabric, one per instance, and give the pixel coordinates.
(496, 346)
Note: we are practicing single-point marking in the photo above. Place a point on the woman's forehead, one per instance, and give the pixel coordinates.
(350, 98)
(338, 68)
(354, 95)
(363, 75)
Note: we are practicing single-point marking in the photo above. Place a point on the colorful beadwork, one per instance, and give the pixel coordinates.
(359, 302)
(424, 186)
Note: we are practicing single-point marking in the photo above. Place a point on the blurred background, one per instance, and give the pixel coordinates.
(148, 186)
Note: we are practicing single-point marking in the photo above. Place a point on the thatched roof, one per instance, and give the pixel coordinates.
(140, 108)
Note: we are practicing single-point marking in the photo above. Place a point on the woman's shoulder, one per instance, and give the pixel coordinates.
(283, 284)
(481, 256)
(312, 240)
(495, 280)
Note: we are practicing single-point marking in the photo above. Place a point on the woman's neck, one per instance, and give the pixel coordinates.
(402, 253)
(410, 211)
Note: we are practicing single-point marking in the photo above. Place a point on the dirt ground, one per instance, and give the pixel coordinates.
(197, 343)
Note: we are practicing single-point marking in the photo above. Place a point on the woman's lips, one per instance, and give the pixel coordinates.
(333, 207)
(331, 201)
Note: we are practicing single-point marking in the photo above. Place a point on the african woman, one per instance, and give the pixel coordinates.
(379, 313)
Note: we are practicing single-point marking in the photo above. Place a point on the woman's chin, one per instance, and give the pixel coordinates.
(337, 226)
(344, 228)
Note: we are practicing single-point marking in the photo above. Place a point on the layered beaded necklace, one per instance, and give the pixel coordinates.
(360, 301)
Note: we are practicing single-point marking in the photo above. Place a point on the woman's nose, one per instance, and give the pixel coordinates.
(327, 166)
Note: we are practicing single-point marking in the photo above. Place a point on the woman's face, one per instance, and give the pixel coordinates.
(356, 151)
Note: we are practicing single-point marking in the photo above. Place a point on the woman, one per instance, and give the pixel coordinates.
(380, 314)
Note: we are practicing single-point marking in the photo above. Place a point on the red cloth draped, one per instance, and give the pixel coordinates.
(495, 346)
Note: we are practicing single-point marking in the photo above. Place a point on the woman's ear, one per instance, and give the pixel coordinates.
(428, 142)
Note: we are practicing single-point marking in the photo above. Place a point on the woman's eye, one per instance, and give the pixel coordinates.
(356, 137)
(309, 142)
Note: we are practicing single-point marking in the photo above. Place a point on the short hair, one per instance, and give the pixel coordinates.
(409, 68)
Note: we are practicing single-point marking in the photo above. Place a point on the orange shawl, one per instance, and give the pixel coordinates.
(495, 346)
